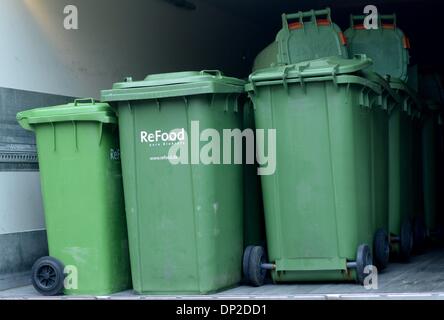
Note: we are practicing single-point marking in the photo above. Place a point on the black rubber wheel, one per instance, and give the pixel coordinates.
(363, 259)
(381, 249)
(47, 276)
(406, 241)
(256, 275)
(245, 262)
(419, 235)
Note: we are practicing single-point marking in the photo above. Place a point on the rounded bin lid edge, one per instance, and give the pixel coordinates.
(314, 68)
(79, 110)
(172, 78)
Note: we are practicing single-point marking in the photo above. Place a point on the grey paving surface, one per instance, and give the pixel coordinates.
(11, 280)
(423, 278)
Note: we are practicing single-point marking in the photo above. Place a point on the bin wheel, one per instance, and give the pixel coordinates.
(406, 241)
(255, 273)
(245, 262)
(419, 234)
(363, 259)
(381, 249)
(47, 276)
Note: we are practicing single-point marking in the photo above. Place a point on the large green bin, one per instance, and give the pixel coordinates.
(304, 36)
(440, 177)
(254, 223)
(388, 47)
(418, 219)
(318, 204)
(81, 179)
(184, 220)
(404, 189)
(430, 147)
(380, 167)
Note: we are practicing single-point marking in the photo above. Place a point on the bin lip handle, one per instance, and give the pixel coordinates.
(84, 101)
(216, 73)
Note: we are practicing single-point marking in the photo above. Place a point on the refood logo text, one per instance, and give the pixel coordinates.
(214, 147)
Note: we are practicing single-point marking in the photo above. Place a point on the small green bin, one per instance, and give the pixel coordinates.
(79, 158)
(388, 47)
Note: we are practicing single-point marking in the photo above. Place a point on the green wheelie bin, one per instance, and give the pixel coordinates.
(388, 47)
(379, 163)
(184, 205)
(440, 178)
(403, 167)
(254, 223)
(430, 147)
(304, 36)
(318, 204)
(418, 219)
(79, 159)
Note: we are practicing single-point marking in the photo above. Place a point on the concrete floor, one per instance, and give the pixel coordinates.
(422, 278)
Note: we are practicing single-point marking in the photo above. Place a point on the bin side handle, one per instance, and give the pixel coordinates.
(216, 73)
(84, 101)
(23, 121)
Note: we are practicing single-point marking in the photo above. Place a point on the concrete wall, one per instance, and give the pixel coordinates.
(115, 39)
(20, 197)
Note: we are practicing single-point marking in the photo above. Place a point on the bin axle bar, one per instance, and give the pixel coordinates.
(268, 266)
(351, 265)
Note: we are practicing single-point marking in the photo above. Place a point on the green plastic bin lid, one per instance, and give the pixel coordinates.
(387, 45)
(315, 68)
(306, 36)
(267, 57)
(80, 110)
(174, 84)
